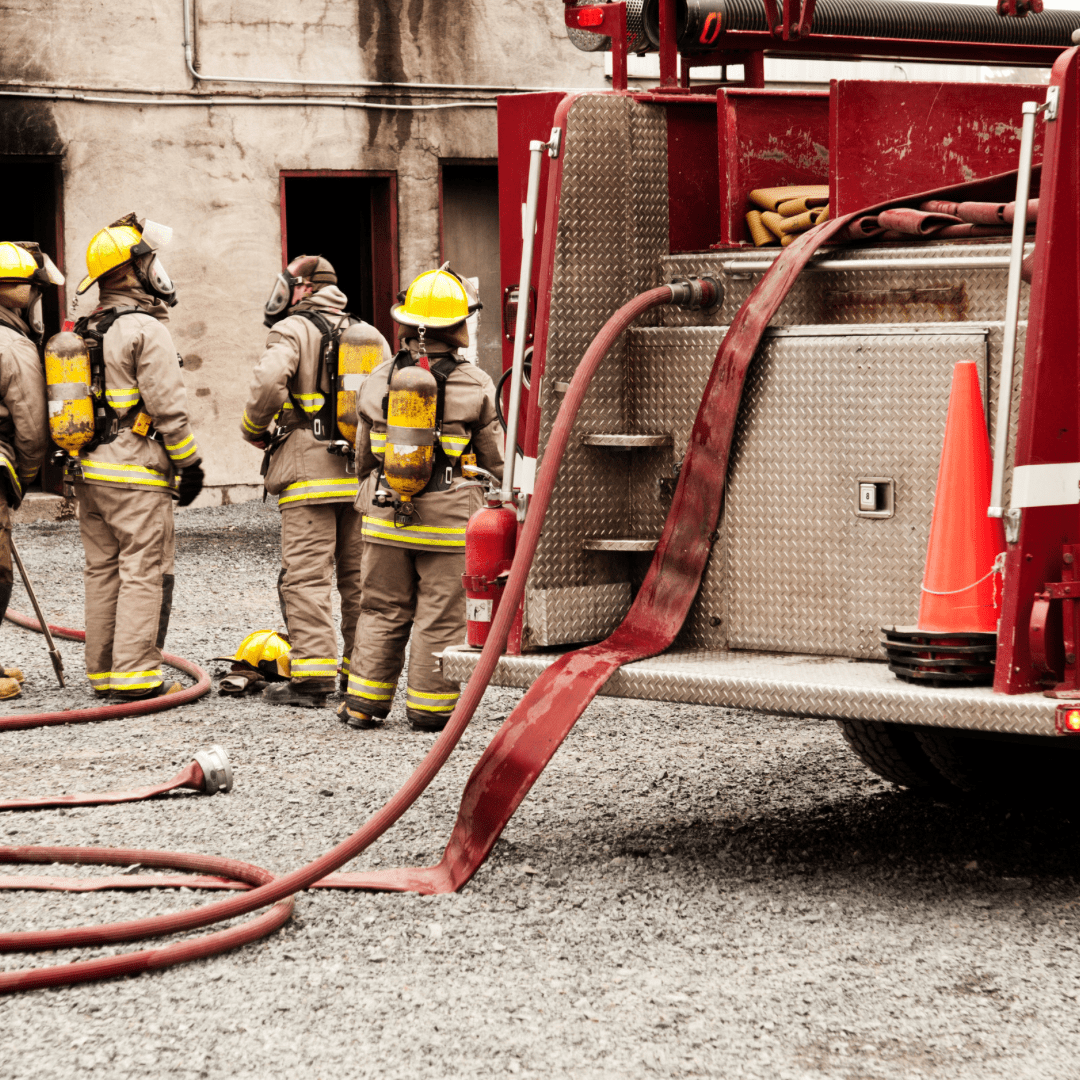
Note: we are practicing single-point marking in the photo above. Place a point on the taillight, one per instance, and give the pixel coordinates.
(585, 16)
(1067, 719)
(510, 313)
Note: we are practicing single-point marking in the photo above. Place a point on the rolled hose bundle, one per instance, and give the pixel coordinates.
(895, 19)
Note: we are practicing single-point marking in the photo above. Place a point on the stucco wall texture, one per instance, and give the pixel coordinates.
(212, 172)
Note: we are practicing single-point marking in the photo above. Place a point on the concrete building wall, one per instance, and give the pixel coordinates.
(212, 171)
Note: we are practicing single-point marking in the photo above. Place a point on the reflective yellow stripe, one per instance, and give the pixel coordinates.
(125, 680)
(309, 668)
(421, 535)
(249, 427)
(454, 445)
(344, 487)
(13, 474)
(378, 443)
(434, 697)
(181, 444)
(184, 449)
(127, 395)
(345, 663)
(114, 473)
(310, 403)
(367, 688)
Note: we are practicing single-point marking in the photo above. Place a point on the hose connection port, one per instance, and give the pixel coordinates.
(696, 294)
(216, 770)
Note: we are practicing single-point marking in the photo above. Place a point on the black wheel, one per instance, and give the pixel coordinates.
(894, 752)
(1004, 768)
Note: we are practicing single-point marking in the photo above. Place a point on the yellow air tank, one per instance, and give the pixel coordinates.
(67, 375)
(360, 352)
(410, 431)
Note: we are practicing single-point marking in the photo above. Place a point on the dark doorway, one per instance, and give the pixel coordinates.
(351, 219)
(470, 241)
(35, 214)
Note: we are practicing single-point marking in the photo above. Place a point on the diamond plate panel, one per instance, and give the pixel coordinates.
(578, 613)
(794, 567)
(861, 296)
(612, 234)
(798, 686)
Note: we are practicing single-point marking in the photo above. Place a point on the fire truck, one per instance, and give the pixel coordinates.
(816, 513)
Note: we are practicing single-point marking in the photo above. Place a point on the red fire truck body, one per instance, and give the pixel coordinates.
(849, 386)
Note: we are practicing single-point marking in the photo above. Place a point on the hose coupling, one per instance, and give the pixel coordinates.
(216, 770)
(696, 294)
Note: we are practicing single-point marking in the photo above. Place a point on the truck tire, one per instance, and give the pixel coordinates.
(1025, 769)
(894, 752)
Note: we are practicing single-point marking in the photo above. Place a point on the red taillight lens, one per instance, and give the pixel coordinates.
(1067, 719)
(586, 16)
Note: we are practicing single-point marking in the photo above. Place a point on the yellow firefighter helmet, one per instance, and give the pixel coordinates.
(16, 263)
(437, 298)
(265, 651)
(109, 249)
(124, 242)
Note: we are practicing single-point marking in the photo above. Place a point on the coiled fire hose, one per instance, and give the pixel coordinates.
(536, 727)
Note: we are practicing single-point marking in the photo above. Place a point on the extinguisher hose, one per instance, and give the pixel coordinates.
(280, 891)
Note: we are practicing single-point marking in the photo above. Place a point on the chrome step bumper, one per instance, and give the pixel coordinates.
(820, 687)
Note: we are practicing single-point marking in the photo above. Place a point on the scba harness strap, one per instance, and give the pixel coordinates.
(107, 424)
(323, 418)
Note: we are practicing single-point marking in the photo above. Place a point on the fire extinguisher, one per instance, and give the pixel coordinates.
(490, 539)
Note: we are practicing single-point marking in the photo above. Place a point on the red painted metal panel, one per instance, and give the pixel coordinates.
(522, 118)
(1047, 429)
(888, 137)
(768, 138)
(693, 176)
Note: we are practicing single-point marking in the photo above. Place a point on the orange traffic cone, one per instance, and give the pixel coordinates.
(961, 591)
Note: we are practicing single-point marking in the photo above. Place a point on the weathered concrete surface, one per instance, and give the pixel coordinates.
(213, 173)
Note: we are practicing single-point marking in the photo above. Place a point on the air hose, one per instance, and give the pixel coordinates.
(280, 891)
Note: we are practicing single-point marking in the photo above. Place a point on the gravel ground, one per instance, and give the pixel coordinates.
(687, 891)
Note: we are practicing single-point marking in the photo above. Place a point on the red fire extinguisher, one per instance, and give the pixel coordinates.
(490, 539)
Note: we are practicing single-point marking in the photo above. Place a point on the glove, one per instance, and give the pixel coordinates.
(261, 441)
(191, 483)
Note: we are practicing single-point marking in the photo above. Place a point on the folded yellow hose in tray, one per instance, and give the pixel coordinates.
(772, 222)
(758, 233)
(773, 198)
(795, 207)
(804, 221)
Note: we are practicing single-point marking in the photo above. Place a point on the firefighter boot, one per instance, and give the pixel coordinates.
(356, 719)
(161, 690)
(309, 693)
(422, 721)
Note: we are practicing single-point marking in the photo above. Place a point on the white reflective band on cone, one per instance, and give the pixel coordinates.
(1057, 484)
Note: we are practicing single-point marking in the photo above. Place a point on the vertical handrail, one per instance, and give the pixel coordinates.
(1012, 308)
(528, 229)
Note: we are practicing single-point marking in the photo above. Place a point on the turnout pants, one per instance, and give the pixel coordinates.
(407, 591)
(314, 540)
(129, 543)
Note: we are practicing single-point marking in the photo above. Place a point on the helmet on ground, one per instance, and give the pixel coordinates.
(436, 299)
(130, 242)
(264, 651)
(24, 263)
(311, 270)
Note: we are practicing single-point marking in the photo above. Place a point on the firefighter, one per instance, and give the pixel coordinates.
(416, 504)
(24, 273)
(310, 472)
(142, 458)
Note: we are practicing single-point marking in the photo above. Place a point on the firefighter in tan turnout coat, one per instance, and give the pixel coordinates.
(129, 476)
(24, 272)
(312, 476)
(414, 546)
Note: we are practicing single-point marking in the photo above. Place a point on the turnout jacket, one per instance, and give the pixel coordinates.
(142, 374)
(469, 425)
(290, 378)
(24, 430)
